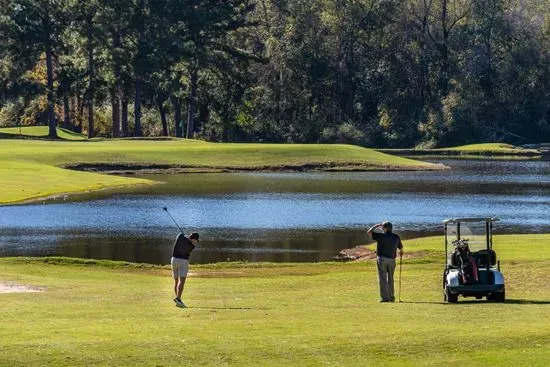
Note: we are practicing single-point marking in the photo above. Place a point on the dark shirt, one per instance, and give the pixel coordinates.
(387, 244)
(182, 247)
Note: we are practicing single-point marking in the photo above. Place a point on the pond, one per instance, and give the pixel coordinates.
(278, 216)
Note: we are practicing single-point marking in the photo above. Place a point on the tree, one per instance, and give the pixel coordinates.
(115, 20)
(207, 24)
(139, 64)
(32, 28)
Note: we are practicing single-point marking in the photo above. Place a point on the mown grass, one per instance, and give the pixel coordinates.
(38, 132)
(494, 150)
(28, 168)
(488, 148)
(23, 180)
(113, 314)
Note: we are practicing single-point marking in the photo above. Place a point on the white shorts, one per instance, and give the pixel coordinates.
(180, 267)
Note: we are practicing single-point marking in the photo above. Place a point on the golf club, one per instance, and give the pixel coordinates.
(400, 263)
(173, 220)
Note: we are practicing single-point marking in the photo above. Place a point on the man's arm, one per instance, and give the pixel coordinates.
(400, 247)
(371, 229)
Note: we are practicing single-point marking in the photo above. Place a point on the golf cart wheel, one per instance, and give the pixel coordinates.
(498, 297)
(449, 297)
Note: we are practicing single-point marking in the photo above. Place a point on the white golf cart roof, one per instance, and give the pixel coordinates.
(470, 220)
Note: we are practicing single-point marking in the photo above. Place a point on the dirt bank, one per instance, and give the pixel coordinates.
(138, 168)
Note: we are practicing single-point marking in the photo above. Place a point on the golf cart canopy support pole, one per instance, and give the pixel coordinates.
(488, 235)
(446, 246)
(491, 237)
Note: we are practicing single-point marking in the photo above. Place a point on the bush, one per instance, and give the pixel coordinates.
(346, 133)
(9, 114)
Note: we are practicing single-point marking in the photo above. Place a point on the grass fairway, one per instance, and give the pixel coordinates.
(472, 150)
(34, 132)
(29, 167)
(489, 148)
(274, 314)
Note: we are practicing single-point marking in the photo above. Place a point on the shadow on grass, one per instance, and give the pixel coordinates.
(229, 308)
(526, 302)
(471, 301)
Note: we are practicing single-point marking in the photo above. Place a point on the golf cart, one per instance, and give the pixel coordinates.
(472, 269)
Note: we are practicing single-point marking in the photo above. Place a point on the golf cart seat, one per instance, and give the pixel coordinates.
(485, 257)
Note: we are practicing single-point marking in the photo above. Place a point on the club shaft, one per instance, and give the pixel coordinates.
(173, 220)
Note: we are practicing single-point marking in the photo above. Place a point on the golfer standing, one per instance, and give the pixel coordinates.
(387, 244)
(180, 262)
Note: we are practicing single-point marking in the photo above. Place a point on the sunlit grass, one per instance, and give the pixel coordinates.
(38, 132)
(489, 147)
(29, 168)
(109, 313)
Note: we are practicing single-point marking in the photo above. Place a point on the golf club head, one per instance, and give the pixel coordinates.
(165, 209)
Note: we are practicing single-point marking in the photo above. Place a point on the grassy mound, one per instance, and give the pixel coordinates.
(36, 132)
(471, 150)
(108, 313)
(487, 148)
(28, 167)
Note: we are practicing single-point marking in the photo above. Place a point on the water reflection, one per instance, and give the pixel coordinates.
(278, 217)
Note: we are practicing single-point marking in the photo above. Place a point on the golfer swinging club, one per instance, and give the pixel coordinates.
(387, 244)
(180, 262)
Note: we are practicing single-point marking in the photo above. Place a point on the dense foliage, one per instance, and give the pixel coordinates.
(371, 72)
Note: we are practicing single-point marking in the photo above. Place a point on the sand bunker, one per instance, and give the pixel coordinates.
(18, 288)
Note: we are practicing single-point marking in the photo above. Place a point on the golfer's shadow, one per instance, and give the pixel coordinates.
(230, 308)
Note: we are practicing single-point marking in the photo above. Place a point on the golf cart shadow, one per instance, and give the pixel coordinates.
(526, 302)
(467, 302)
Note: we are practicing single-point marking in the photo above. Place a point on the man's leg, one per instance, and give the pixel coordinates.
(391, 271)
(181, 284)
(382, 279)
(175, 274)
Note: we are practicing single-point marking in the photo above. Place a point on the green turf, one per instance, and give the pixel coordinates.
(39, 132)
(494, 150)
(23, 180)
(488, 147)
(27, 167)
(115, 314)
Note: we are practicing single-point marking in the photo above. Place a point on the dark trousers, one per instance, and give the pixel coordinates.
(386, 268)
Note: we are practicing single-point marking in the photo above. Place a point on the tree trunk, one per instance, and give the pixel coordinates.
(177, 117)
(444, 49)
(52, 133)
(90, 50)
(204, 116)
(80, 112)
(115, 106)
(66, 112)
(74, 105)
(124, 116)
(191, 103)
(162, 111)
(225, 114)
(117, 89)
(139, 69)
(137, 109)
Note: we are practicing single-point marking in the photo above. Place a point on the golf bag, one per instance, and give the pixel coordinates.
(463, 259)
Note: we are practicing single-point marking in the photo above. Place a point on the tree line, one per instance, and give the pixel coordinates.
(387, 73)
